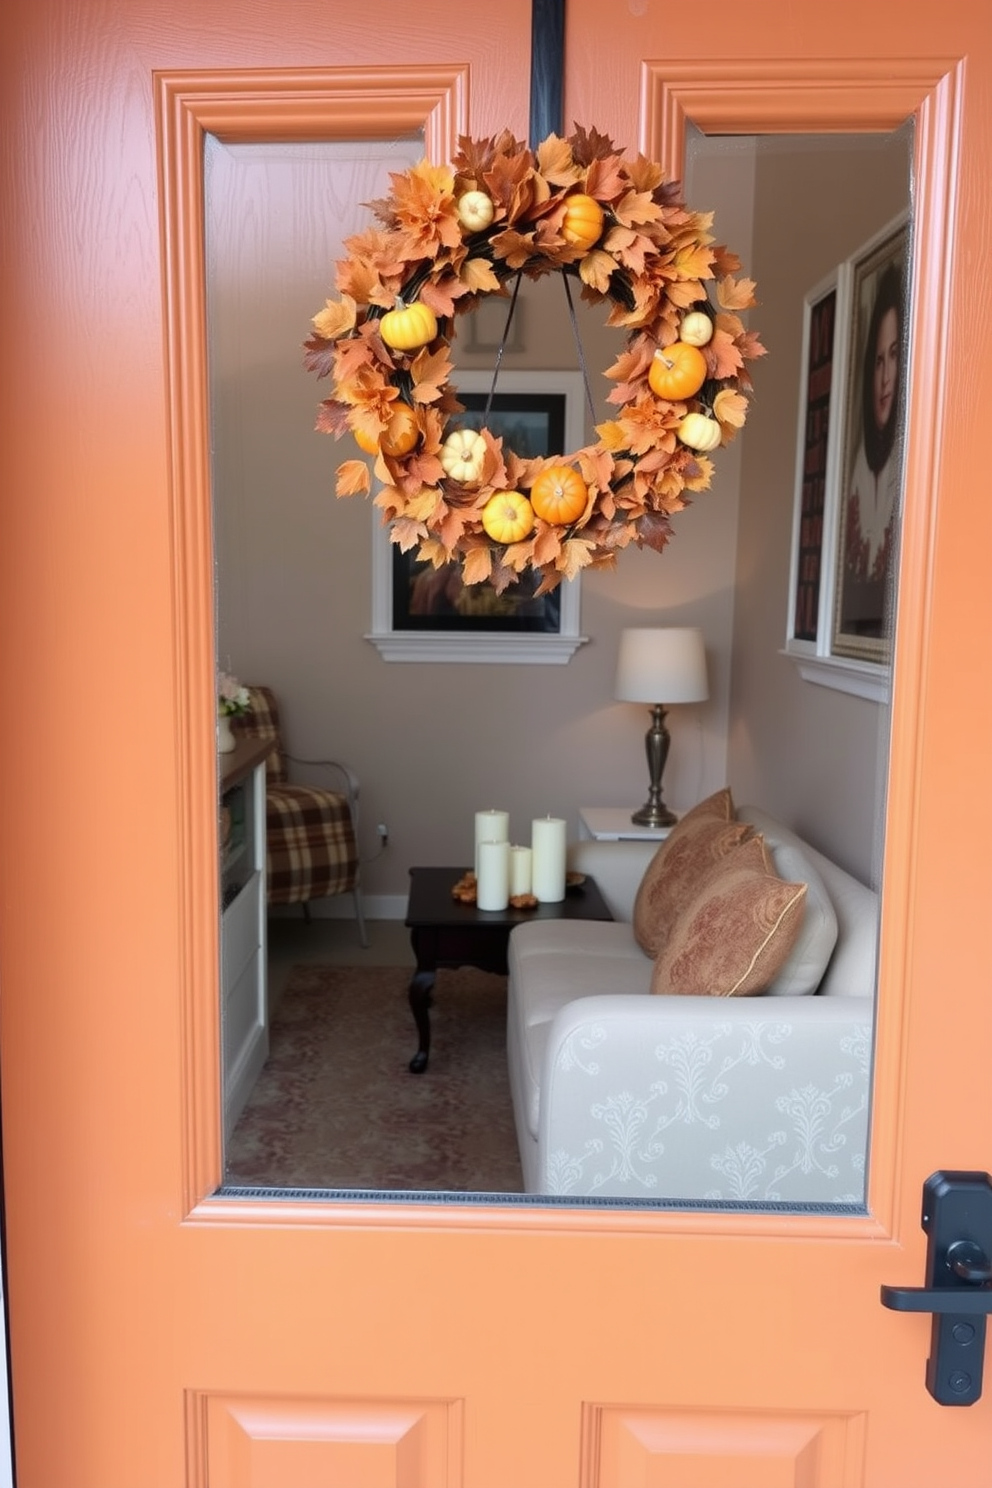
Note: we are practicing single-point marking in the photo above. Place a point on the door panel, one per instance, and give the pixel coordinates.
(270, 1441)
(709, 1449)
(179, 1337)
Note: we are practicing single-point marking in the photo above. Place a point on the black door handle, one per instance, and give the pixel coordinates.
(957, 1217)
(967, 1261)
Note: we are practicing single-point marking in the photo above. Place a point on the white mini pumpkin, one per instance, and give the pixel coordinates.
(462, 456)
(475, 210)
(699, 432)
(696, 328)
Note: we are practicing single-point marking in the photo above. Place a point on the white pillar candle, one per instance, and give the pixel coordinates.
(548, 863)
(490, 826)
(493, 887)
(520, 870)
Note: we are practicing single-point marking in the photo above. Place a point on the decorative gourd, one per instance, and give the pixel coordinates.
(699, 432)
(677, 371)
(508, 517)
(398, 437)
(475, 210)
(583, 222)
(696, 328)
(462, 456)
(408, 326)
(559, 495)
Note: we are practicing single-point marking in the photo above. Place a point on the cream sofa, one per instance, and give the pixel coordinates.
(620, 1094)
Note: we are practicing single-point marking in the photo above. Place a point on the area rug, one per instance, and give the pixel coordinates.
(336, 1106)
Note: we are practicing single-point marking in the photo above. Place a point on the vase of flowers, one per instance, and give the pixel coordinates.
(232, 701)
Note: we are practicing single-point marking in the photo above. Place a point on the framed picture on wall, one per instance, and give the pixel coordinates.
(871, 448)
(848, 481)
(422, 613)
(815, 456)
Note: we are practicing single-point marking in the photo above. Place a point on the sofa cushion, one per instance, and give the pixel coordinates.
(684, 859)
(737, 931)
(552, 963)
(807, 962)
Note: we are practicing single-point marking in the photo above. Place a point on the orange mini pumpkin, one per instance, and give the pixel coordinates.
(559, 495)
(407, 327)
(397, 438)
(508, 517)
(677, 371)
(583, 220)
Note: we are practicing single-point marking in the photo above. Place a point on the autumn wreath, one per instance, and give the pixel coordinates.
(451, 234)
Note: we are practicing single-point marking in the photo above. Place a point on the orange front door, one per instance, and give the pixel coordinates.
(163, 1336)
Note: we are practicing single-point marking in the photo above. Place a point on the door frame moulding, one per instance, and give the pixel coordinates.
(735, 98)
(856, 96)
(243, 107)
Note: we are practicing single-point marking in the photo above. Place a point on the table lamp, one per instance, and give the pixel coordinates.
(667, 664)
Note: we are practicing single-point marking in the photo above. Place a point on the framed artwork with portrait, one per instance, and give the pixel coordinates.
(848, 483)
(871, 449)
(422, 613)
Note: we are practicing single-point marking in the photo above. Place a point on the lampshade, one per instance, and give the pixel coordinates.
(662, 666)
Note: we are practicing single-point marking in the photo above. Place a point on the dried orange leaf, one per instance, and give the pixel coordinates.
(477, 566)
(332, 418)
(736, 294)
(730, 408)
(476, 274)
(353, 479)
(596, 268)
(576, 555)
(555, 162)
(336, 318)
(429, 370)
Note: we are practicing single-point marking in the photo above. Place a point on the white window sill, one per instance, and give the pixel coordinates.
(863, 679)
(436, 646)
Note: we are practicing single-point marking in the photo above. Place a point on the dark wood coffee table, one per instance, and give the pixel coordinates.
(446, 933)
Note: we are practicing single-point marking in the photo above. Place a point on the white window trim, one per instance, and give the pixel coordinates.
(449, 646)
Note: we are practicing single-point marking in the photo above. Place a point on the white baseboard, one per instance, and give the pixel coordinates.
(342, 907)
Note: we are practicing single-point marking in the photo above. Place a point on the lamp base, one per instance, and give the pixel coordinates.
(652, 815)
(654, 812)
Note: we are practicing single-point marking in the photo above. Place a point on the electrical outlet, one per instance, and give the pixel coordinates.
(383, 831)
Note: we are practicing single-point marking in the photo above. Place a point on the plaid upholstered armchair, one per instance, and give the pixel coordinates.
(310, 832)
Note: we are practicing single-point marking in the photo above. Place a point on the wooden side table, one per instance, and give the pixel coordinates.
(444, 932)
(613, 824)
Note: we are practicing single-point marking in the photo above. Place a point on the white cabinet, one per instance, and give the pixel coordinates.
(244, 993)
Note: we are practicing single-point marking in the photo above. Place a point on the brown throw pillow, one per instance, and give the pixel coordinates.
(736, 934)
(683, 861)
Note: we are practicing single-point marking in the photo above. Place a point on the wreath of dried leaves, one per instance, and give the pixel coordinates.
(653, 262)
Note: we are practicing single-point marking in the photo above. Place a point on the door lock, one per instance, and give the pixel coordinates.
(957, 1218)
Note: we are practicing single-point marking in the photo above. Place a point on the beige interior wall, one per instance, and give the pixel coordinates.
(813, 755)
(434, 742)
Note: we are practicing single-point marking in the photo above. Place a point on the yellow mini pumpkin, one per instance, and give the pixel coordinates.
(398, 437)
(699, 432)
(508, 517)
(677, 371)
(583, 222)
(462, 456)
(696, 328)
(475, 210)
(408, 326)
(559, 495)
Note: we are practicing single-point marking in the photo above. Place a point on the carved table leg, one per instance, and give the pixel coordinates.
(421, 987)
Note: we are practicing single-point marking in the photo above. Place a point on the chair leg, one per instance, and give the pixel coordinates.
(306, 911)
(360, 916)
